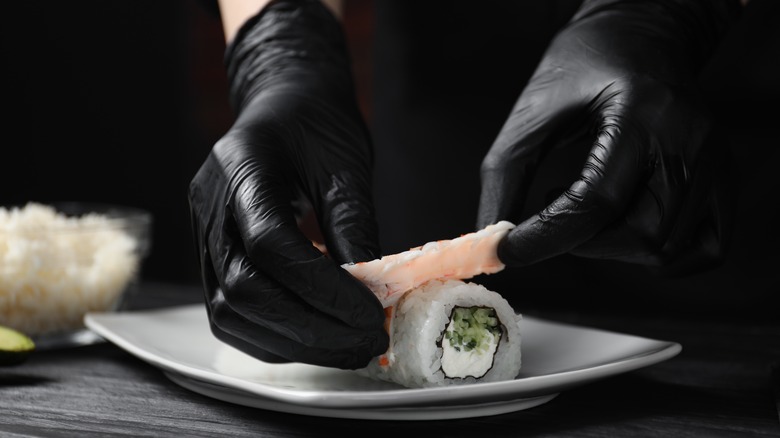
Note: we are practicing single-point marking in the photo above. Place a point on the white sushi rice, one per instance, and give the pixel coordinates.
(418, 325)
(55, 268)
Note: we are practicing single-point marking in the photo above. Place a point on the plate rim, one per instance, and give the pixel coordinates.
(505, 390)
(394, 413)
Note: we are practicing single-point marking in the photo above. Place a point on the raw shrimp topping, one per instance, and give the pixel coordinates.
(461, 258)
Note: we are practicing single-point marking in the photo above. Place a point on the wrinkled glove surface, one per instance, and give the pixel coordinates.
(298, 133)
(621, 78)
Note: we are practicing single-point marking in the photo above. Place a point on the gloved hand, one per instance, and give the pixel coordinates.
(269, 291)
(622, 77)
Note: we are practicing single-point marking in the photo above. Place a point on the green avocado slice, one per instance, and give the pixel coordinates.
(14, 346)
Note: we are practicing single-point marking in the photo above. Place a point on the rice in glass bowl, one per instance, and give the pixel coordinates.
(60, 261)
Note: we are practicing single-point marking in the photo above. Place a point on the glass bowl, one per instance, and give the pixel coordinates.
(59, 261)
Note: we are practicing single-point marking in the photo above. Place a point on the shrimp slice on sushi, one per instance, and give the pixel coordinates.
(443, 331)
(461, 258)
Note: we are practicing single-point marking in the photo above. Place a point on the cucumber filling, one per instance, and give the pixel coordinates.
(470, 342)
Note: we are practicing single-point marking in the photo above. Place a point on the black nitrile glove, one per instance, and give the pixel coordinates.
(622, 78)
(269, 291)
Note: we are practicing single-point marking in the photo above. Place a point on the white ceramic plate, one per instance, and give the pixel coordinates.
(555, 357)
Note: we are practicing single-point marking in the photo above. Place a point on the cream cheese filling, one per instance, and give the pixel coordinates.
(470, 342)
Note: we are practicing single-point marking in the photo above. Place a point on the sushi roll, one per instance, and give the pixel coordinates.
(449, 332)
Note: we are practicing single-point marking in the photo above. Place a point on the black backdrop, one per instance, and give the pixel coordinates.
(113, 101)
(119, 101)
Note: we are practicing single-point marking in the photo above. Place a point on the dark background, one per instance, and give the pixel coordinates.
(116, 102)
(120, 101)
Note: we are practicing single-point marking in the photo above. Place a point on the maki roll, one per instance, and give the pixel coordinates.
(443, 330)
(449, 332)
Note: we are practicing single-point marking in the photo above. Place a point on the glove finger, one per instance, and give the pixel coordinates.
(268, 345)
(700, 238)
(705, 248)
(265, 302)
(348, 222)
(213, 294)
(601, 194)
(640, 234)
(508, 168)
(279, 326)
(209, 280)
(338, 182)
(265, 220)
(704, 243)
(685, 191)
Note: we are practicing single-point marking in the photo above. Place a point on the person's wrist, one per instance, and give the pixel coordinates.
(283, 35)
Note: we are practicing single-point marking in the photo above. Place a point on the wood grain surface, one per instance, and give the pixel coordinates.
(718, 386)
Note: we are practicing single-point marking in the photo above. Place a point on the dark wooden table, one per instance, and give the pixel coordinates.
(720, 385)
